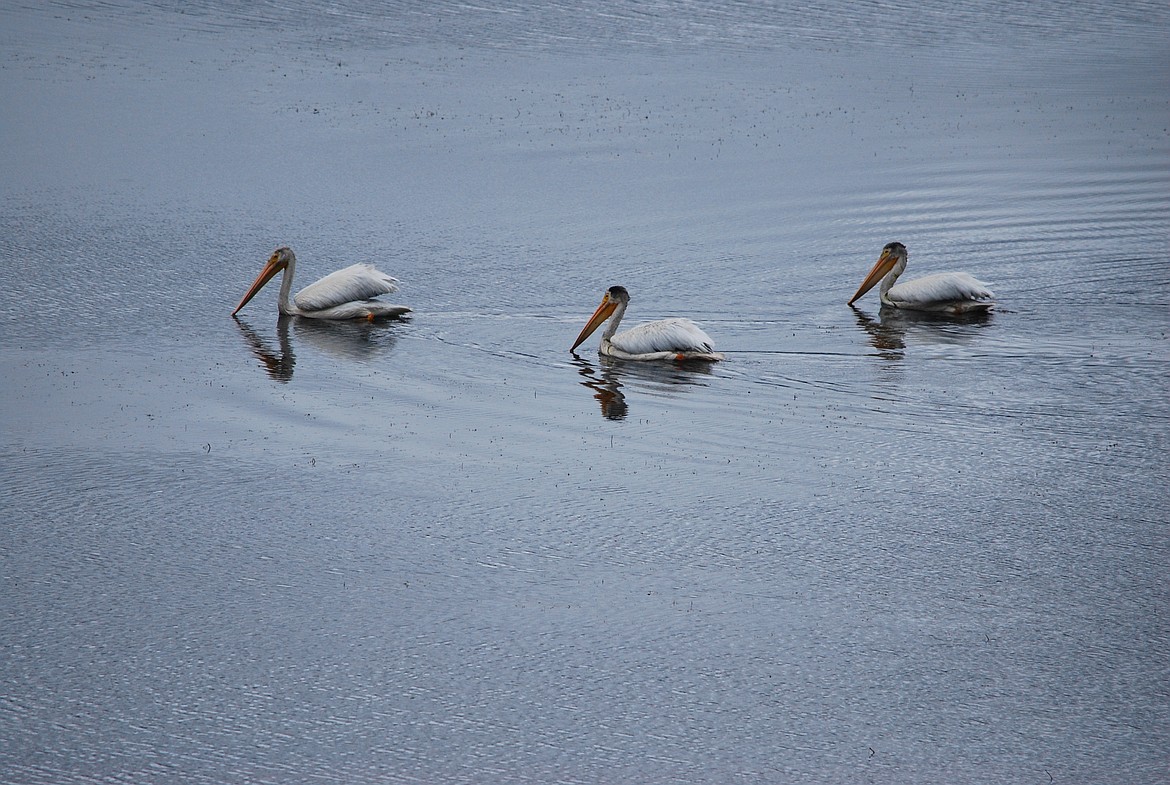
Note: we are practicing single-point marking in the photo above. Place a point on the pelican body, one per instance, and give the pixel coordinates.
(940, 293)
(345, 294)
(665, 339)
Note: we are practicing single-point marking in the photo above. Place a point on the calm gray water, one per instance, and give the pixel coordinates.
(869, 547)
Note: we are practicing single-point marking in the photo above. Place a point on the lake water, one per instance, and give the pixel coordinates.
(868, 547)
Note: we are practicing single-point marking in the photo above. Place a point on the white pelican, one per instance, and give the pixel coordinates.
(665, 339)
(345, 294)
(942, 292)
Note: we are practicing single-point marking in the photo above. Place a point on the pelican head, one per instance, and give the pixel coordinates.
(281, 259)
(614, 297)
(892, 255)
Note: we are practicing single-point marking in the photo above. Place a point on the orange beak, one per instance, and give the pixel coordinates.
(884, 264)
(603, 312)
(266, 275)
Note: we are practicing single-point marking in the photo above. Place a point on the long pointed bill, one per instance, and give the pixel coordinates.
(884, 264)
(603, 312)
(270, 269)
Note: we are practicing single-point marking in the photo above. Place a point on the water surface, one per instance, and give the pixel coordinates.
(870, 546)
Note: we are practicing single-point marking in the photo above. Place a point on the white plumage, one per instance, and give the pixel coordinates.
(345, 294)
(665, 339)
(941, 292)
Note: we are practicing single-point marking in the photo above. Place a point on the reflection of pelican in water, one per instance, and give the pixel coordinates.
(888, 333)
(607, 391)
(951, 293)
(348, 340)
(279, 364)
(345, 294)
(354, 340)
(665, 339)
(888, 339)
(608, 381)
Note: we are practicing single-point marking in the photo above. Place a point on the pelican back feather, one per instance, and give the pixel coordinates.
(355, 283)
(664, 335)
(939, 288)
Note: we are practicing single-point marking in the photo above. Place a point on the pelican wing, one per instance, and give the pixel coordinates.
(665, 335)
(354, 283)
(940, 288)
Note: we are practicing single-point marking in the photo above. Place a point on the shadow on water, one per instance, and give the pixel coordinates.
(888, 333)
(609, 376)
(351, 340)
